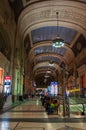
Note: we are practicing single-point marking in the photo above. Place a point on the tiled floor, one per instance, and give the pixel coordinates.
(32, 116)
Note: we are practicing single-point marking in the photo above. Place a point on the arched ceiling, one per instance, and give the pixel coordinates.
(37, 25)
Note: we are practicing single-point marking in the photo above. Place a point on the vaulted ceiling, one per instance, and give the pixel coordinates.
(37, 24)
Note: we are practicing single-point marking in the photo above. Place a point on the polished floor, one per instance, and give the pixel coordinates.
(31, 115)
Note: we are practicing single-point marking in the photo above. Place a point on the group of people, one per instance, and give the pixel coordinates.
(51, 105)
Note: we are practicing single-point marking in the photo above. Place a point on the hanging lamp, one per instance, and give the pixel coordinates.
(57, 42)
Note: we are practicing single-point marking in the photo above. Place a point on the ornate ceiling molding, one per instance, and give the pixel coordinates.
(57, 67)
(65, 58)
(44, 13)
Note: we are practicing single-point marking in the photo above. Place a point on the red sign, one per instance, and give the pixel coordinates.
(7, 78)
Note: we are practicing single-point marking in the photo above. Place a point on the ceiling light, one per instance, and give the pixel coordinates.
(46, 76)
(57, 42)
(48, 72)
(51, 63)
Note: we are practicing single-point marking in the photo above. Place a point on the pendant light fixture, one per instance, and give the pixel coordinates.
(57, 42)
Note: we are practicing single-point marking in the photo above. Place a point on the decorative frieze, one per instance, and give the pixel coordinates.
(82, 70)
(45, 13)
(4, 63)
(81, 56)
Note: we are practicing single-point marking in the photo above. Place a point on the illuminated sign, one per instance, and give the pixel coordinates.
(7, 78)
(54, 88)
(74, 90)
(7, 85)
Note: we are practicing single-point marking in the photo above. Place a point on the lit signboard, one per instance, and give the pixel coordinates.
(54, 88)
(7, 85)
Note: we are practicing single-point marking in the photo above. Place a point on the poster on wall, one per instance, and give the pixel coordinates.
(7, 85)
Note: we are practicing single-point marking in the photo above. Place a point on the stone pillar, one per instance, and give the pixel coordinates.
(66, 109)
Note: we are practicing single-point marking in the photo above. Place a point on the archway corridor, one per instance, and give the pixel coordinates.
(42, 46)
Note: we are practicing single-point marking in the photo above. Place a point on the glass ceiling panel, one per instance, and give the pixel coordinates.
(50, 33)
(49, 49)
(47, 58)
(45, 67)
